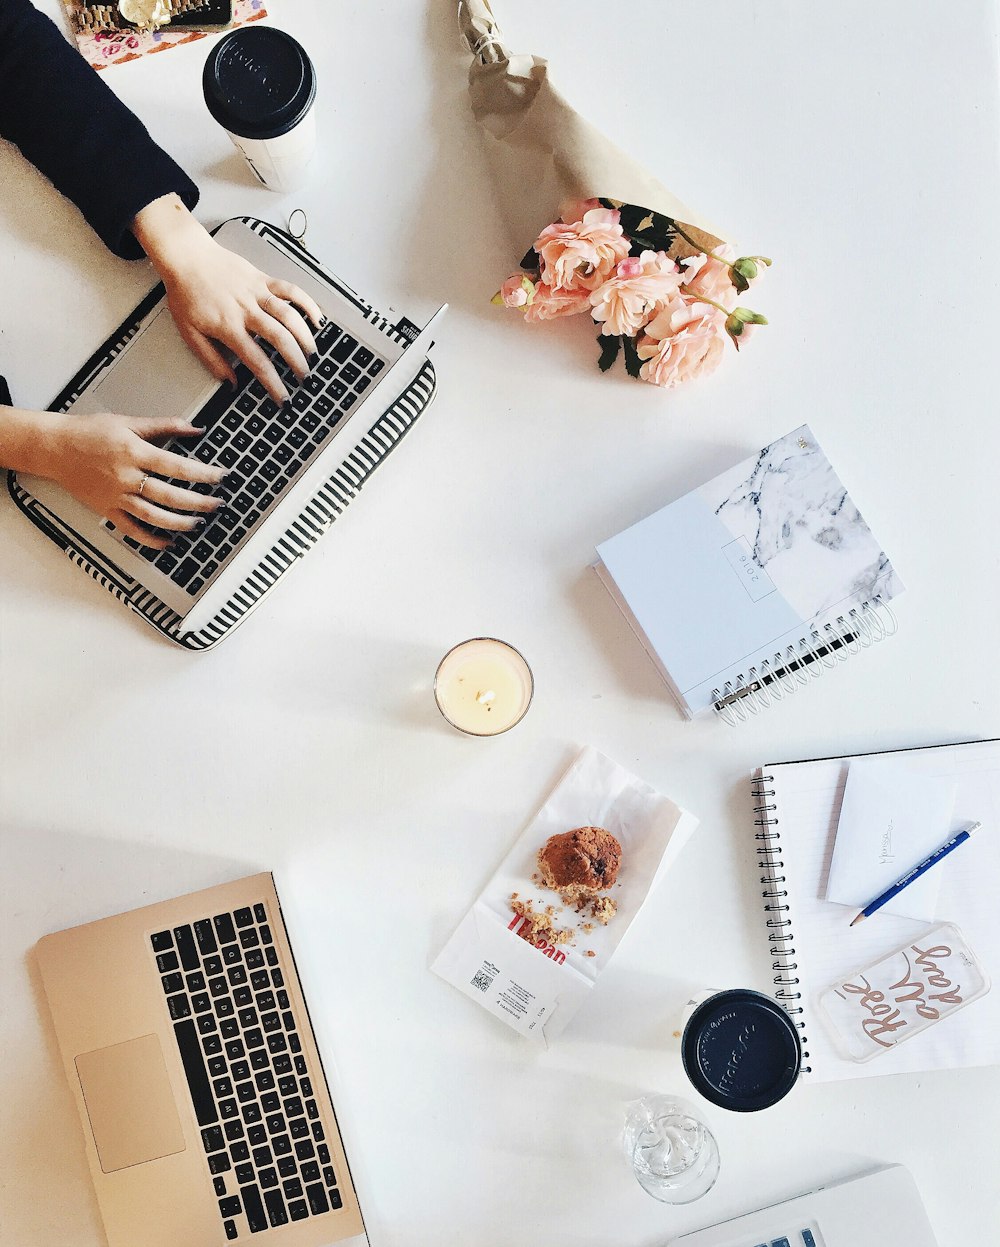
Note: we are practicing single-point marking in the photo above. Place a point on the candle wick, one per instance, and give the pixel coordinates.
(486, 696)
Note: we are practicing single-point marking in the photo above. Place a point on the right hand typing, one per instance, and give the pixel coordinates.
(103, 459)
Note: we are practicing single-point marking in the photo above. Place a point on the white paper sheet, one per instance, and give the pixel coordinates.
(892, 817)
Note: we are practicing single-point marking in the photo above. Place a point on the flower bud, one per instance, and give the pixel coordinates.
(743, 271)
(517, 291)
(737, 321)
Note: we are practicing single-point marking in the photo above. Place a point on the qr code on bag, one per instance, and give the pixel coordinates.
(482, 979)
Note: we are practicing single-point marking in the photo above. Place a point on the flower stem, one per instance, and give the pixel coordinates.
(700, 298)
(687, 238)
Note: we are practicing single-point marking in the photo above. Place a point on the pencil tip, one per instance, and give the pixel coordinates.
(859, 918)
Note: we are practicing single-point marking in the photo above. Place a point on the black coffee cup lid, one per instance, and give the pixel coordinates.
(259, 82)
(741, 1050)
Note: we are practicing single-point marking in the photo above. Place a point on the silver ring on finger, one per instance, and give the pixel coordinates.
(142, 484)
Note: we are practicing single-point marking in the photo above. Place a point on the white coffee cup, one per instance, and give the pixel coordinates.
(260, 86)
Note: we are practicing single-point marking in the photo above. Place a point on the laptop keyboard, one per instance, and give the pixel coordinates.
(264, 447)
(253, 1096)
(801, 1238)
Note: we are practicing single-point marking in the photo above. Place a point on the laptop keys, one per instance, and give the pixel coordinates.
(343, 349)
(316, 1195)
(254, 1208)
(252, 1097)
(184, 572)
(276, 1213)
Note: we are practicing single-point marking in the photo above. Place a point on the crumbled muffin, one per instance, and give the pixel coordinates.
(581, 862)
(539, 923)
(603, 908)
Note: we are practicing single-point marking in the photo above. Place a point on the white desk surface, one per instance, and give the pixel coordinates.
(855, 143)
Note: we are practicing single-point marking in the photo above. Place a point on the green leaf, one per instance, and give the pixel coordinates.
(610, 346)
(632, 361)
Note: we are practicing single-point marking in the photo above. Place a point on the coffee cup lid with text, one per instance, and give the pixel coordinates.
(741, 1050)
(259, 82)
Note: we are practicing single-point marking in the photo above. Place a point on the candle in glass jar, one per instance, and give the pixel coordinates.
(483, 686)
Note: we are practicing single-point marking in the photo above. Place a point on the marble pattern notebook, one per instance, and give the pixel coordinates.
(749, 585)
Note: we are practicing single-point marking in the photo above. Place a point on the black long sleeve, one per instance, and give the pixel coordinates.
(75, 129)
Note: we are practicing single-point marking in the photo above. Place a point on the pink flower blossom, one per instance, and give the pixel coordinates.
(549, 303)
(685, 340)
(710, 277)
(572, 211)
(641, 285)
(581, 255)
(517, 291)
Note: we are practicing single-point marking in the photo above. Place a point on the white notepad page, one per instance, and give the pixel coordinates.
(807, 798)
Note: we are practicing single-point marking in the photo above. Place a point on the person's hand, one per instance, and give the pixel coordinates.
(220, 299)
(109, 463)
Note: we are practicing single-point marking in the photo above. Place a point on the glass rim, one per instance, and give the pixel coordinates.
(527, 705)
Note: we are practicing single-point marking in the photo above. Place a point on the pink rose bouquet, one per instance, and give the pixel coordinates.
(662, 294)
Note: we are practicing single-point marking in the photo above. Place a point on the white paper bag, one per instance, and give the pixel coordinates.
(536, 988)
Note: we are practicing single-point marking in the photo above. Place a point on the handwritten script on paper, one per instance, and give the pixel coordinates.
(908, 991)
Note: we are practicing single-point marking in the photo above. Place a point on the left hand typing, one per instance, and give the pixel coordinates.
(219, 299)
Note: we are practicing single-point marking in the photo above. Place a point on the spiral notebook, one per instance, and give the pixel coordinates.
(748, 587)
(810, 942)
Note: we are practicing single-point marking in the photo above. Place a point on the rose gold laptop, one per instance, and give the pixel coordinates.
(188, 1047)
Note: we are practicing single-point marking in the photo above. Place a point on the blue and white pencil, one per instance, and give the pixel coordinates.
(921, 868)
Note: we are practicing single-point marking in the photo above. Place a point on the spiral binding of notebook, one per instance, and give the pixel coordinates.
(775, 896)
(781, 674)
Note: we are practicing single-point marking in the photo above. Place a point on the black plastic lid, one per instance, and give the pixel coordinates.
(741, 1050)
(259, 82)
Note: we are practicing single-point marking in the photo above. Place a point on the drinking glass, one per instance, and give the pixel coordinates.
(672, 1152)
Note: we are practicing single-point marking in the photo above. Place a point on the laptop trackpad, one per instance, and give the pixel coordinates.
(154, 375)
(130, 1103)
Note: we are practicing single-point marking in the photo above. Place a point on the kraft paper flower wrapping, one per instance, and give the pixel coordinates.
(604, 236)
(543, 153)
